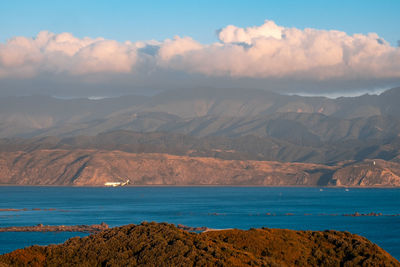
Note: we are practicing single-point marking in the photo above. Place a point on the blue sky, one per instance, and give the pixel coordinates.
(146, 20)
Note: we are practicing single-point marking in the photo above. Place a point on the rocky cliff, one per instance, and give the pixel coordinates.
(95, 167)
(368, 173)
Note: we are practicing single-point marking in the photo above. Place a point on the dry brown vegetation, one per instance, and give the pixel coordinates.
(153, 244)
(83, 167)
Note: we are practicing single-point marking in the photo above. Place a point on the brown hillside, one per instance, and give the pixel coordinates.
(152, 244)
(87, 167)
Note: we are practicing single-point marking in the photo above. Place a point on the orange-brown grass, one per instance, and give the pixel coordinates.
(154, 244)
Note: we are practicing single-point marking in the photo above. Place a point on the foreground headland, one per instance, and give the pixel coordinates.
(161, 244)
(85, 167)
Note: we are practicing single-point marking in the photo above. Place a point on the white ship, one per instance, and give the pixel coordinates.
(115, 184)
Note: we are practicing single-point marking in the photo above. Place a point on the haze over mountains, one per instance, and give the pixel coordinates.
(228, 124)
(230, 112)
(208, 114)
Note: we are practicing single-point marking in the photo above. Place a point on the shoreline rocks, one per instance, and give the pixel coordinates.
(94, 228)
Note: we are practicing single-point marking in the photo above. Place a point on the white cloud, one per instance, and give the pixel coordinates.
(105, 56)
(233, 34)
(268, 51)
(178, 47)
(271, 51)
(64, 53)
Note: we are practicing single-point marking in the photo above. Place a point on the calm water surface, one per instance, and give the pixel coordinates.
(214, 207)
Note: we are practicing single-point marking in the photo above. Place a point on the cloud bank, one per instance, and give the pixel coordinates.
(267, 54)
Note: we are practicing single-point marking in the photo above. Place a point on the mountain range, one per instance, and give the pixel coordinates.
(203, 112)
(220, 124)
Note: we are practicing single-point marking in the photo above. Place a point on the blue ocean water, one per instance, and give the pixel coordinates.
(214, 207)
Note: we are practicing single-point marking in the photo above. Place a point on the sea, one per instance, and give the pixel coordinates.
(219, 207)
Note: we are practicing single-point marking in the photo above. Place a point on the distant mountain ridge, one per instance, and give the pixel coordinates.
(231, 148)
(42, 115)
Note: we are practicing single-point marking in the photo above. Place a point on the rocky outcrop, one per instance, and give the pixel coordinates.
(94, 228)
(153, 244)
(95, 167)
(368, 173)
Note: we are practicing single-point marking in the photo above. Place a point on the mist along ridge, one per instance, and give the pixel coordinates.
(165, 245)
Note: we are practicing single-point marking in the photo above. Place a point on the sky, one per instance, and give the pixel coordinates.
(96, 48)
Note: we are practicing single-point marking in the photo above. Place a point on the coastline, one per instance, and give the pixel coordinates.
(206, 185)
(214, 207)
